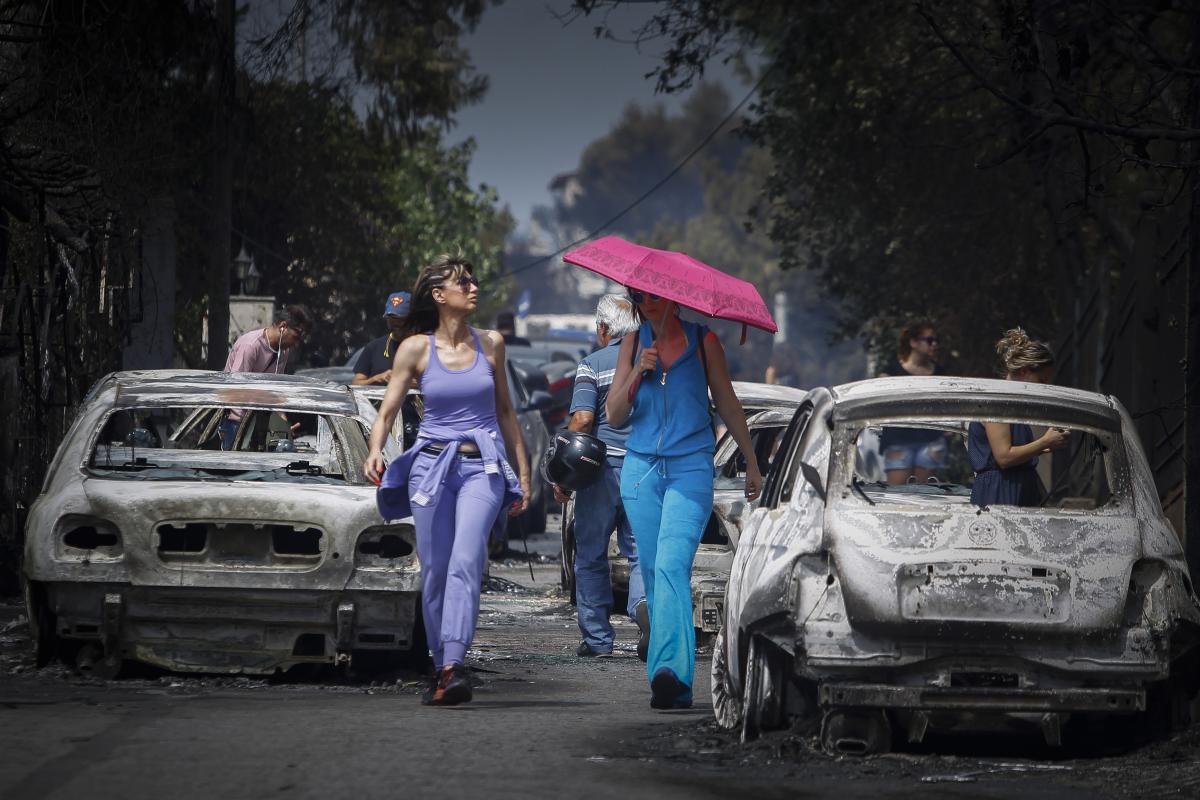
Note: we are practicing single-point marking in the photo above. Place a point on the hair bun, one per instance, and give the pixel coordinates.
(1014, 339)
(1018, 351)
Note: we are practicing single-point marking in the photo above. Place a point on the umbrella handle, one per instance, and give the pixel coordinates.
(647, 332)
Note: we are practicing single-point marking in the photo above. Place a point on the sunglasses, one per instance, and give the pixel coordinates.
(929, 340)
(641, 297)
(301, 333)
(464, 282)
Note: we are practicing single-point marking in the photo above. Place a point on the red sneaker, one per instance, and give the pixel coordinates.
(454, 687)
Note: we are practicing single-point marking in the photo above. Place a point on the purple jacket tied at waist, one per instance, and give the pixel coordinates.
(392, 496)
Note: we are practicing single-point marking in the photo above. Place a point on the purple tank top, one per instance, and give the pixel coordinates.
(458, 400)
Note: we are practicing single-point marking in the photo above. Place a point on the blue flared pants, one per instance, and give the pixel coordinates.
(668, 501)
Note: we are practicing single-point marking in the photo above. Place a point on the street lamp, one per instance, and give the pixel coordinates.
(241, 268)
(250, 282)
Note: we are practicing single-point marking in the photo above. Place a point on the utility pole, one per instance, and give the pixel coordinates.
(221, 186)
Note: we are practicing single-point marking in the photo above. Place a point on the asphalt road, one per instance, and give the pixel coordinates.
(544, 723)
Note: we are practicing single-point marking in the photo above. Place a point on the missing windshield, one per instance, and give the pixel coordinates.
(184, 443)
(983, 463)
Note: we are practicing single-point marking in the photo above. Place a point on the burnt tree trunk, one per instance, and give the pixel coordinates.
(221, 189)
(1191, 393)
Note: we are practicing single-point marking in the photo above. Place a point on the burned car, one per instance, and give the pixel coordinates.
(714, 556)
(768, 409)
(881, 609)
(151, 543)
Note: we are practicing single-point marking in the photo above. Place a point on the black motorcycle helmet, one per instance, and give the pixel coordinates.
(573, 460)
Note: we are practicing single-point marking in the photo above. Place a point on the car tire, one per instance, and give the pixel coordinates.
(765, 682)
(726, 703)
(567, 571)
(42, 623)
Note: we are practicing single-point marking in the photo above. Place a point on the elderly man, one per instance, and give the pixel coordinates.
(374, 364)
(598, 507)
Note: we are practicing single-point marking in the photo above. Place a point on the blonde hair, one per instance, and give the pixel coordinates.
(1018, 351)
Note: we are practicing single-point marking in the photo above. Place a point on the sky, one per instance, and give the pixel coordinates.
(553, 90)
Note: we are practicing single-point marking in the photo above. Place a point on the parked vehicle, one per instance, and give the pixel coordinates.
(343, 374)
(151, 543)
(714, 556)
(551, 369)
(577, 344)
(768, 410)
(884, 610)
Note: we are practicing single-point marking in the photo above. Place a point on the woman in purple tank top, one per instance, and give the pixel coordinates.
(459, 473)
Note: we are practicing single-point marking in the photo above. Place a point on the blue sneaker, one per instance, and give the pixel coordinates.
(667, 691)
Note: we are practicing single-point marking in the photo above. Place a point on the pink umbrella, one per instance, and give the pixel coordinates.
(678, 277)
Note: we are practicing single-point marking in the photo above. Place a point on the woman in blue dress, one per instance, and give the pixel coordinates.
(1005, 455)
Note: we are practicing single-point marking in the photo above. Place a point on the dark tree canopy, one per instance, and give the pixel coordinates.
(961, 161)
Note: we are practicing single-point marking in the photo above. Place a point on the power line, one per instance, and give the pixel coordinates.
(641, 198)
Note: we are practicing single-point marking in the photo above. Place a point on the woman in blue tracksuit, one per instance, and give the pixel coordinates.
(661, 387)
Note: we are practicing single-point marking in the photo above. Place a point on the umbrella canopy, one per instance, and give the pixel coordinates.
(677, 277)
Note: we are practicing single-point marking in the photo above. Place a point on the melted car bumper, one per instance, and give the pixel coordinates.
(252, 631)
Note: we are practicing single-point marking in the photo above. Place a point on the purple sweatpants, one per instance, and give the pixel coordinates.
(452, 540)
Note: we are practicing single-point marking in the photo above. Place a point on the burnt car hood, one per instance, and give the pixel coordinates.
(137, 509)
(1041, 573)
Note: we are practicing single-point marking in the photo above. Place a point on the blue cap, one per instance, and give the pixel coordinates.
(397, 304)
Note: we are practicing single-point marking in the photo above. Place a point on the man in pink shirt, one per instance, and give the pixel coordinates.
(264, 350)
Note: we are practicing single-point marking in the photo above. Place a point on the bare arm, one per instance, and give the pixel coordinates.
(730, 409)
(405, 370)
(1007, 455)
(363, 379)
(626, 380)
(506, 415)
(582, 421)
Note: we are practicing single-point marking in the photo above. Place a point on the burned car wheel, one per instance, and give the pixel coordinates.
(763, 702)
(42, 632)
(727, 705)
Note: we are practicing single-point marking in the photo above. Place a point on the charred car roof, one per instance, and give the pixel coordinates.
(768, 394)
(921, 397)
(149, 388)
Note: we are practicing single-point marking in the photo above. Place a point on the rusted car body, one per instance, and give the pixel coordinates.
(883, 610)
(150, 543)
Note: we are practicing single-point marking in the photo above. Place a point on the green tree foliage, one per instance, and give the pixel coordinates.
(621, 166)
(711, 210)
(342, 204)
(408, 56)
(729, 233)
(962, 161)
(339, 219)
